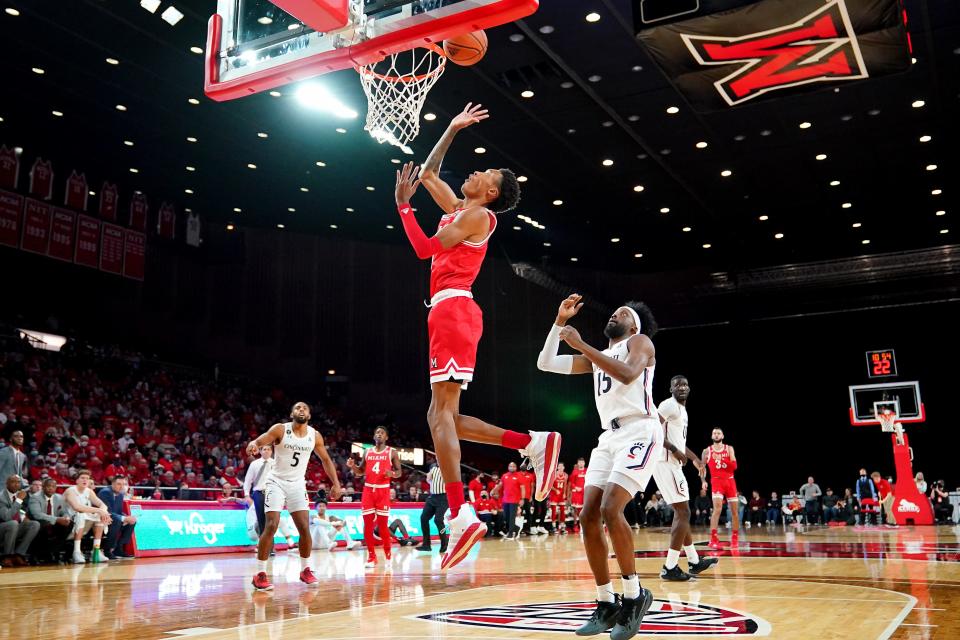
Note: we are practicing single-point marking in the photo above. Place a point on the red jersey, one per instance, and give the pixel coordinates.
(883, 488)
(577, 479)
(476, 487)
(458, 266)
(527, 479)
(558, 491)
(511, 488)
(719, 462)
(377, 468)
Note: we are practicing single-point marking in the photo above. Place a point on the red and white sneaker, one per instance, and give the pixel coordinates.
(543, 451)
(387, 554)
(371, 562)
(261, 582)
(465, 531)
(307, 576)
(714, 540)
(735, 539)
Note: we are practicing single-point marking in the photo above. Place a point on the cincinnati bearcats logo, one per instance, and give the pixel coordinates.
(637, 449)
(665, 618)
(820, 47)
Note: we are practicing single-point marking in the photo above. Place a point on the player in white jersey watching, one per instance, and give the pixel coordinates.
(625, 456)
(674, 487)
(293, 442)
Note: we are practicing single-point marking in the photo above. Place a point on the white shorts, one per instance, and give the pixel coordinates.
(277, 493)
(672, 484)
(626, 456)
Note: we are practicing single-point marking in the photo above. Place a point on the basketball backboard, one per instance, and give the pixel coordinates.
(901, 398)
(254, 45)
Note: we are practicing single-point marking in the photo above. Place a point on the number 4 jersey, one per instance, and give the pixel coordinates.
(618, 400)
(292, 454)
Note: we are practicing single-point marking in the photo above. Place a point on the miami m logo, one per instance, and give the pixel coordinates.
(820, 47)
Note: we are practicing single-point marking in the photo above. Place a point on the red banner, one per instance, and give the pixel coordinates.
(11, 204)
(77, 191)
(62, 235)
(109, 200)
(9, 167)
(36, 227)
(167, 221)
(138, 211)
(134, 254)
(41, 179)
(88, 242)
(111, 249)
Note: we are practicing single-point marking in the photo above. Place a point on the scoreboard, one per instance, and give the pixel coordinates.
(881, 363)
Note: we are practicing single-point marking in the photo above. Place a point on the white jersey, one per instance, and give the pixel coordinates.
(618, 400)
(676, 416)
(292, 455)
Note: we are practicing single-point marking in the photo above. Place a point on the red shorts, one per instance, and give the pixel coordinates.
(723, 488)
(375, 500)
(455, 326)
(576, 498)
(557, 498)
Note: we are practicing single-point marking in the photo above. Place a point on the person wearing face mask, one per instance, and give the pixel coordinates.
(866, 492)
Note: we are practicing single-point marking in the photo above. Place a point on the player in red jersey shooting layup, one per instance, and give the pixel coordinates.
(455, 322)
(722, 462)
(286, 484)
(379, 465)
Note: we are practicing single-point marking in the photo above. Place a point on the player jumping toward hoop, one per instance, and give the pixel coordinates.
(380, 463)
(455, 322)
(722, 462)
(626, 453)
(293, 442)
(674, 487)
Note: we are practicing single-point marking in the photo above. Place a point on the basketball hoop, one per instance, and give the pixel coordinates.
(396, 89)
(889, 424)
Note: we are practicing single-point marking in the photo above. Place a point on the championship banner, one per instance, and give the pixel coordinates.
(777, 48)
(111, 249)
(11, 204)
(9, 167)
(62, 235)
(88, 242)
(77, 191)
(134, 254)
(36, 227)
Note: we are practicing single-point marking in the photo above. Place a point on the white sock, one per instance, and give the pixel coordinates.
(605, 592)
(673, 557)
(631, 587)
(304, 563)
(96, 544)
(692, 556)
(76, 546)
(262, 566)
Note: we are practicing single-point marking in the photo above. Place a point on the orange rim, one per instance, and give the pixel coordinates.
(368, 70)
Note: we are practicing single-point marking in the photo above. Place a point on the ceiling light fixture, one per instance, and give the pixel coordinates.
(333, 226)
(38, 71)
(821, 156)
(595, 78)
(261, 134)
(664, 209)
(763, 218)
(196, 50)
(150, 5)
(12, 12)
(316, 96)
(687, 229)
(340, 130)
(230, 227)
(936, 192)
(516, 228)
(846, 205)
(701, 145)
(188, 191)
(321, 163)
(134, 170)
(673, 110)
(349, 209)
(638, 255)
(931, 167)
(707, 245)
(280, 226)
(59, 114)
(778, 236)
(608, 162)
(557, 203)
(171, 15)
(638, 188)
(193, 101)
(191, 139)
(944, 230)
(726, 173)
(389, 226)
(916, 104)
(925, 138)
(593, 16)
(480, 150)
(941, 213)
(526, 94)
(121, 107)
(429, 116)
(304, 189)
(292, 209)
(856, 225)
(614, 239)
(864, 242)
(805, 125)
(369, 188)
(834, 183)
(547, 244)
(573, 259)
(521, 178)
(237, 210)
(275, 94)
(265, 20)
(128, 143)
(112, 61)
(189, 168)
(250, 165)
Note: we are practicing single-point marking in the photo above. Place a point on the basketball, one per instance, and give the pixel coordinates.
(466, 49)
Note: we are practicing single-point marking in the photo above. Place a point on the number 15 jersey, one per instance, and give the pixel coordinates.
(292, 454)
(618, 400)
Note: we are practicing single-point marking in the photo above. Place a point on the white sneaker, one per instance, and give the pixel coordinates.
(352, 544)
(78, 558)
(371, 564)
(465, 531)
(332, 546)
(544, 451)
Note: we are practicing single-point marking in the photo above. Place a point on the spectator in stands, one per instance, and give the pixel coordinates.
(475, 487)
(36, 486)
(702, 507)
(227, 497)
(942, 509)
(126, 441)
(121, 526)
(13, 460)
(16, 532)
(413, 494)
(653, 512)
(486, 510)
(830, 506)
(46, 508)
(847, 509)
(756, 509)
(773, 509)
(169, 486)
(810, 493)
(921, 483)
(87, 512)
(885, 491)
(792, 509)
(866, 493)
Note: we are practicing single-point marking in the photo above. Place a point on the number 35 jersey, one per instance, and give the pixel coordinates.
(292, 454)
(618, 400)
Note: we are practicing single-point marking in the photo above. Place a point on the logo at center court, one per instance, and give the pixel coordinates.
(665, 618)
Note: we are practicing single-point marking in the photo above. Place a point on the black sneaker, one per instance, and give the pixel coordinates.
(423, 548)
(704, 564)
(631, 616)
(674, 575)
(603, 618)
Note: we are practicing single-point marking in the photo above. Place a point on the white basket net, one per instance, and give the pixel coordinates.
(396, 89)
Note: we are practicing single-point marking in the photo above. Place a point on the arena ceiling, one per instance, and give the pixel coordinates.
(866, 168)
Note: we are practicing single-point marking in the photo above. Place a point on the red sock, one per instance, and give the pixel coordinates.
(368, 539)
(514, 440)
(384, 527)
(563, 514)
(455, 497)
(553, 514)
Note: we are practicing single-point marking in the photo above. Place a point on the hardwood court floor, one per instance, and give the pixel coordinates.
(809, 584)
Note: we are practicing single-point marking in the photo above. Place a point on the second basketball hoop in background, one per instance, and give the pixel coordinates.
(466, 49)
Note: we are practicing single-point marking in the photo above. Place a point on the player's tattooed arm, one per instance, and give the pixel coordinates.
(271, 437)
(641, 354)
(441, 192)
